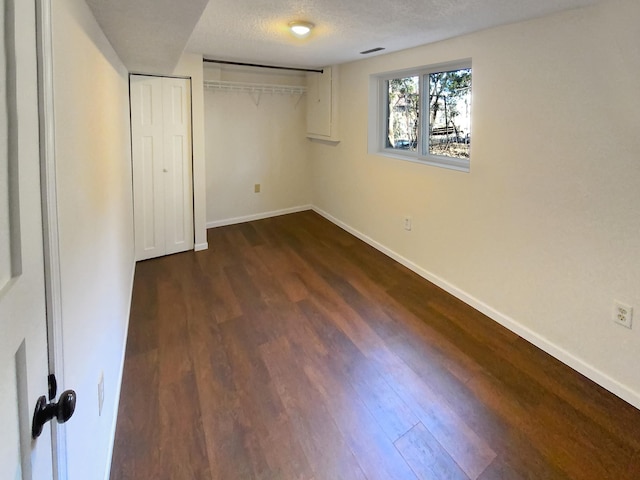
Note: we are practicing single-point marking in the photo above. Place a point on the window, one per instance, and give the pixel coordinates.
(424, 115)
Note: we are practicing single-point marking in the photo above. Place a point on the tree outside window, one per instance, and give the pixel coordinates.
(450, 113)
(404, 106)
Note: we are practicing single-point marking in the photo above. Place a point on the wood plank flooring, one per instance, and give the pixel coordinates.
(290, 350)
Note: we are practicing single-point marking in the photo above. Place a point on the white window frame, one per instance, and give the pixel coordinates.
(378, 104)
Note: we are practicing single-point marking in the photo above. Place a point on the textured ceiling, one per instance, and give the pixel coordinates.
(256, 31)
(150, 35)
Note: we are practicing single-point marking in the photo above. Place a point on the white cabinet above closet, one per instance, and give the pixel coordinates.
(322, 105)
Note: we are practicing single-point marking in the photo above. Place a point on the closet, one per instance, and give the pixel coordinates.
(162, 165)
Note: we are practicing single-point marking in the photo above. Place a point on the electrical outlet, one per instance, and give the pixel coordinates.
(622, 314)
(100, 393)
(256, 188)
(407, 222)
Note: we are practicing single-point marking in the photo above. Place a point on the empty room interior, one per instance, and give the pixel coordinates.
(400, 243)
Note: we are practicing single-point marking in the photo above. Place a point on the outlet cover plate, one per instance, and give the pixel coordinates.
(622, 314)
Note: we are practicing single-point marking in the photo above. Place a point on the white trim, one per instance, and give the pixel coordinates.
(116, 407)
(452, 163)
(591, 372)
(257, 216)
(201, 246)
(53, 290)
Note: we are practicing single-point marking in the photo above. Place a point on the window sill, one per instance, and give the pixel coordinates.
(457, 164)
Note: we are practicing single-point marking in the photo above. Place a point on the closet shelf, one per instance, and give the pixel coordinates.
(254, 87)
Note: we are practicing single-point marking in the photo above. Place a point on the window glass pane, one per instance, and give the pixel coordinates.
(403, 113)
(450, 113)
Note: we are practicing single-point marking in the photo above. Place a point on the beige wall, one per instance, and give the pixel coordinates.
(96, 226)
(544, 232)
(248, 144)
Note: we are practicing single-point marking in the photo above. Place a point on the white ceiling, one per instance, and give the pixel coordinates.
(148, 33)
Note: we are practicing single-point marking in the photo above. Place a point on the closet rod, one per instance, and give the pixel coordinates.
(225, 62)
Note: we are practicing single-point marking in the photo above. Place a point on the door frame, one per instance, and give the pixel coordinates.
(48, 189)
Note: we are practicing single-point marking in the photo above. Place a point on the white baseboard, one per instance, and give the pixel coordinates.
(200, 246)
(116, 407)
(257, 216)
(538, 340)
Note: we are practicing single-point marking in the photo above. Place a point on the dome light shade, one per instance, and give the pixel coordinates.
(300, 29)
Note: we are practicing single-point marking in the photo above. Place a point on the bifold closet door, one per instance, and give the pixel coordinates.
(162, 165)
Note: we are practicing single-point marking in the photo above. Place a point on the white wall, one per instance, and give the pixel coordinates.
(544, 232)
(248, 144)
(96, 226)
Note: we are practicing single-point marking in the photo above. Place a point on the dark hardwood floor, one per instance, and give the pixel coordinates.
(292, 350)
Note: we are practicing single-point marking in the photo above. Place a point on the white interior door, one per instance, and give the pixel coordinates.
(162, 165)
(178, 184)
(23, 338)
(148, 165)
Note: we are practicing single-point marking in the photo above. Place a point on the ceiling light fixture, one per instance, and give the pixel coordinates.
(301, 29)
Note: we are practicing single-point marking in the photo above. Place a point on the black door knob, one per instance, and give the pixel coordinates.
(61, 411)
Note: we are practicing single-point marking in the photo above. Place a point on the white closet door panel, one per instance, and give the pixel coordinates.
(178, 164)
(148, 166)
(150, 206)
